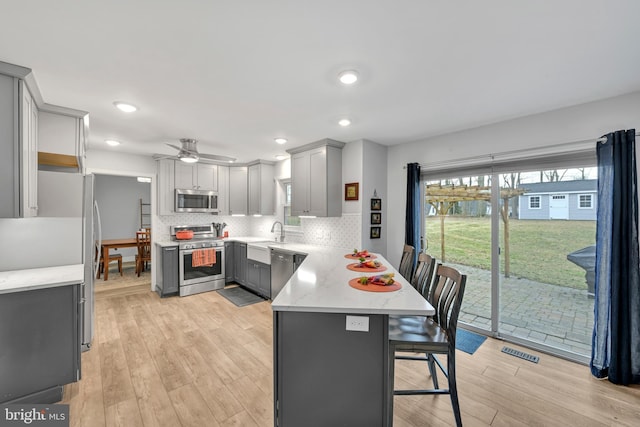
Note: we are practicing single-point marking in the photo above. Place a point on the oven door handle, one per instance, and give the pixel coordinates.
(190, 251)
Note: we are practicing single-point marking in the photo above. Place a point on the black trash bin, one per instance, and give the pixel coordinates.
(586, 258)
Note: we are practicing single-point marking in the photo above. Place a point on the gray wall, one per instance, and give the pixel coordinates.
(118, 198)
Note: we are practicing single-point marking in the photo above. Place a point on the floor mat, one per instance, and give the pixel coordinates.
(240, 296)
(467, 341)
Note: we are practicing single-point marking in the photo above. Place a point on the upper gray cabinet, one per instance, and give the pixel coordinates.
(316, 179)
(223, 190)
(18, 142)
(166, 187)
(62, 138)
(238, 190)
(199, 176)
(261, 188)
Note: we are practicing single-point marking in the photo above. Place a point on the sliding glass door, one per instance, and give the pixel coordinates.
(525, 237)
(547, 247)
(458, 233)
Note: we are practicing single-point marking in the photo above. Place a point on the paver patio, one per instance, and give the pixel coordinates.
(549, 314)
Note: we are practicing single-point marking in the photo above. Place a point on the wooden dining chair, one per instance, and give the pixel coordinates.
(112, 258)
(432, 336)
(143, 241)
(423, 275)
(406, 262)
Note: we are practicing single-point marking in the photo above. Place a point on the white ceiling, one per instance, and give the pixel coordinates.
(237, 74)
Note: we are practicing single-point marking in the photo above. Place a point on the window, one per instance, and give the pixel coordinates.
(585, 201)
(534, 202)
(289, 220)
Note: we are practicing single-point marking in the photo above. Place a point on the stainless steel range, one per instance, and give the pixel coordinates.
(195, 278)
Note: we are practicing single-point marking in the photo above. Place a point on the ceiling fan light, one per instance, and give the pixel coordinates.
(188, 157)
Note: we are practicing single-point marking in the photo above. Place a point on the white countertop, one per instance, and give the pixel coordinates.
(40, 278)
(321, 285)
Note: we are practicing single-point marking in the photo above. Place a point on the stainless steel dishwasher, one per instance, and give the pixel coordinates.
(281, 271)
(297, 260)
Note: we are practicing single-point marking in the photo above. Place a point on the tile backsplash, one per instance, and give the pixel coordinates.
(342, 232)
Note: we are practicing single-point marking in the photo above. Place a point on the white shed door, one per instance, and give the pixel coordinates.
(558, 206)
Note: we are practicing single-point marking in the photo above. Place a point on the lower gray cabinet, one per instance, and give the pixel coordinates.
(259, 278)
(228, 262)
(168, 271)
(240, 263)
(39, 344)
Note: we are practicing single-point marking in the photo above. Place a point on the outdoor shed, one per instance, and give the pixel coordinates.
(571, 200)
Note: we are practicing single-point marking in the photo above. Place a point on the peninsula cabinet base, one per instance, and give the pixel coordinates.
(325, 375)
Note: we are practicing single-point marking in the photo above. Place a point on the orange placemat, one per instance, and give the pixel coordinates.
(351, 256)
(355, 283)
(354, 267)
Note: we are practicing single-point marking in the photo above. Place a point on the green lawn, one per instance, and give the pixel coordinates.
(538, 248)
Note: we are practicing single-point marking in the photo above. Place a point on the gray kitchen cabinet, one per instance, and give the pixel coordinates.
(62, 138)
(238, 190)
(259, 278)
(261, 188)
(9, 167)
(29, 152)
(40, 336)
(316, 179)
(240, 263)
(199, 176)
(223, 190)
(228, 262)
(18, 146)
(166, 175)
(168, 271)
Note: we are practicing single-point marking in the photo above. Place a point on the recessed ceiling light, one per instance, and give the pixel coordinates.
(144, 179)
(126, 107)
(231, 161)
(348, 77)
(281, 140)
(344, 122)
(281, 157)
(112, 142)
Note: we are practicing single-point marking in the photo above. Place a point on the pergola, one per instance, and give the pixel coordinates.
(444, 197)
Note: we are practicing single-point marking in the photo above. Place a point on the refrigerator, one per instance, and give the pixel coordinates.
(66, 231)
(92, 241)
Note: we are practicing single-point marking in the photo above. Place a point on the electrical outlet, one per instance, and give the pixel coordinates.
(358, 323)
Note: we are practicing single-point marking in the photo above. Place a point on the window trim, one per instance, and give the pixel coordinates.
(539, 202)
(287, 227)
(590, 196)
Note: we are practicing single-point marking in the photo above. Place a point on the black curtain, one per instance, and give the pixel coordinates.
(412, 216)
(616, 334)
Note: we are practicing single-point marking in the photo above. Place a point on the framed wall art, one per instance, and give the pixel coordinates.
(376, 204)
(375, 233)
(351, 191)
(376, 217)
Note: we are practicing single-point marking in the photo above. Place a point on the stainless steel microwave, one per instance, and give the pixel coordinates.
(196, 201)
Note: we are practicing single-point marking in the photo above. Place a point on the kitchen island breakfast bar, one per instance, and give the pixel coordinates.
(331, 342)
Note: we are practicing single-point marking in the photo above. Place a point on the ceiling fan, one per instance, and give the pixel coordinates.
(188, 152)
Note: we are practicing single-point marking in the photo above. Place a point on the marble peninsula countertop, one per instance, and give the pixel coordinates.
(40, 278)
(321, 285)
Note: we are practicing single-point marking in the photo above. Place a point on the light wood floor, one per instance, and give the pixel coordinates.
(201, 361)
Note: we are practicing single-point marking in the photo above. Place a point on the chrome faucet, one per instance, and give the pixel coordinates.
(273, 227)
